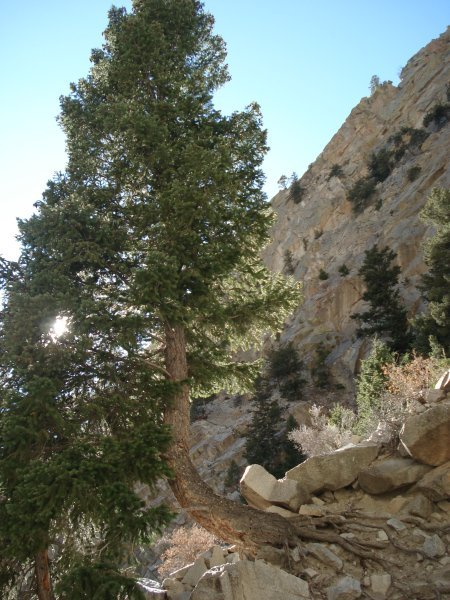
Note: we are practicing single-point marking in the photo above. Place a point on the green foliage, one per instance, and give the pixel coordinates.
(360, 193)
(157, 222)
(323, 275)
(335, 171)
(283, 182)
(371, 386)
(386, 316)
(267, 441)
(380, 165)
(375, 83)
(320, 371)
(296, 190)
(439, 115)
(435, 324)
(344, 270)
(233, 476)
(413, 173)
(283, 362)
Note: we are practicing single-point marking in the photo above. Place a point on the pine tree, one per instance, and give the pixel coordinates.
(435, 323)
(370, 386)
(149, 246)
(386, 316)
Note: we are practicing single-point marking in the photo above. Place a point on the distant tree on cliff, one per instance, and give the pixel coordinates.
(435, 323)
(386, 316)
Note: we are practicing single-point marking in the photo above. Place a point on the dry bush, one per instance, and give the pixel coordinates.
(409, 380)
(185, 545)
(326, 433)
(405, 386)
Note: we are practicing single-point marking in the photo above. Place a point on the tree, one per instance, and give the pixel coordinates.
(375, 83)
(149, 245)
(386, 316)
(371, 385)
(267, 439)
(436, 282)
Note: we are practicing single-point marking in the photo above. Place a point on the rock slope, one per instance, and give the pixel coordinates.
(321, 231)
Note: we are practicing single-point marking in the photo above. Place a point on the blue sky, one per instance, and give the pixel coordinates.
(306, 63)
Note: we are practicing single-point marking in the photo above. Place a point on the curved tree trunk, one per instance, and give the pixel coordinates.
(228, 520)
(43, 581)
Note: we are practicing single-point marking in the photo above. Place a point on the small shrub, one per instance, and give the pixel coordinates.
(413, 173)
(185, 545)
(305, 244)
(282, 182)
(318, 233)
(360, 193)
(335, 171)
(296, 191)
(233, 476)
(378, 204)
(284, 361)
(380, 165)
(439, 115)
(198, 408)
(322, 436)
(289, 267)
(344, 270)
(323, 275)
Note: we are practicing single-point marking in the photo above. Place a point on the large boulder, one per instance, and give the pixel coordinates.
(246, 580)
(333, 471)
(391, 474)
(435, 485)
(426, 436)
(261, 490)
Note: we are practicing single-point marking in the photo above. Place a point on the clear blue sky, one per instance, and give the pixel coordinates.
(307, 64)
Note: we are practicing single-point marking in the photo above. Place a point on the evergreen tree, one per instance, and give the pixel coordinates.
(267, 441)
(435, 324)
(149, 246)
(386, 316)
(370, 386)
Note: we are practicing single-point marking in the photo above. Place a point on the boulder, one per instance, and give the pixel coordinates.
(151, 589)
(246, 580)
(391, 474)
(261, 489)
(333, 471)
(435, 485)
(426, 437)
(443, 382)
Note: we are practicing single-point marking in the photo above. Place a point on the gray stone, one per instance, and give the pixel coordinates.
(151, 589)
(391, 474)
(173, 587)
(287, 514)
(419, 506)
(380, 584)
(311, 510)
(335, 470)
(246, 580)
(396, 524)
(346, 588)
(195, 572)
(426, 437)
(444, 381)
(261, 489)
(441, 579)
(434, 547)
(325, 555)
(435, 485)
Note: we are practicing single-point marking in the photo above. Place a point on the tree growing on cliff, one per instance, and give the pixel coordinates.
(386, 316)
(148, 246)
(435, 323)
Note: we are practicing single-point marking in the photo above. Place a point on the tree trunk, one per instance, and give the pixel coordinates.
(43, 582)
(232, 522)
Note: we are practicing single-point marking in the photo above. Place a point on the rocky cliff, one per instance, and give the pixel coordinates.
(322, 232)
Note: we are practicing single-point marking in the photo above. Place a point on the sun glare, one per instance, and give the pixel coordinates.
(59, 327)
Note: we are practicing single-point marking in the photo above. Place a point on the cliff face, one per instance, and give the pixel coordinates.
(322, 232)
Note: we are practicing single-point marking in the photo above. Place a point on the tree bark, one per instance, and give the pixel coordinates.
(232, 522)
(43, 581)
